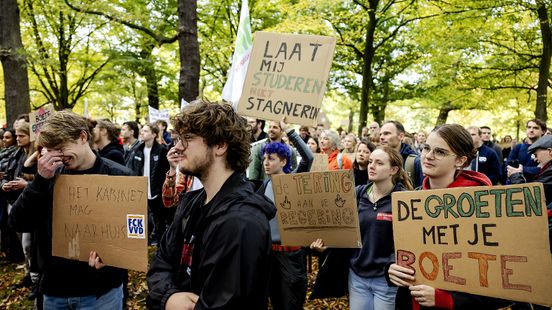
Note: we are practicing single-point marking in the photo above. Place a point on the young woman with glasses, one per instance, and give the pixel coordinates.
(448, 150)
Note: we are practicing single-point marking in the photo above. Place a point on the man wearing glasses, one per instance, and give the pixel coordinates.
(519, 156)
(216, 252)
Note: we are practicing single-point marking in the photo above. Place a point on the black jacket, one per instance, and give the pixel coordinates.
(113, 151)
(228, 241)
(159, 165)
(14, 170)
(62, 277)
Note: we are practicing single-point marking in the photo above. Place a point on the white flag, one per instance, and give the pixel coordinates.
(85, 113)
(244, 43)
(183, 104)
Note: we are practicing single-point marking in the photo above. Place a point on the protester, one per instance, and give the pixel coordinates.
(10, 146)
(129, 133)
(13, 183)
(329, 141)
(392, 134)
(106, 140)
(487, 138)
(448, 150)
(420, 140)
(91, 285)
(216, 252)
(164, 137)
(313, 145)
(543, 156)
(486, 161)
(535, 129)
(360, 165)
(349, 143)
(149, 159)
(288, 271)
(255, 169)
(368, 287)
(304, 133)
(257, 129)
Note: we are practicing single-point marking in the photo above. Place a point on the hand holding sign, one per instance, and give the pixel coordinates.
(400, 276)
(95, 261)
(424, 295)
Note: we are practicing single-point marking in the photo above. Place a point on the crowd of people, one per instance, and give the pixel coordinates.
(211, 212)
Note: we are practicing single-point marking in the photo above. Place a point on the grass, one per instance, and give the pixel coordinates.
(138, 290)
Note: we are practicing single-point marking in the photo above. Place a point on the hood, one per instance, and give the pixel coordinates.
(113, 145)
(466, 178)
(406, 150)
(237, 193)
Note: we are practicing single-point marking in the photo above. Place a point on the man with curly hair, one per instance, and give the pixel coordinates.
(216, 252)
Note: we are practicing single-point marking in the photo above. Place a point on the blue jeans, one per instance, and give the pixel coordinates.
(370, 293)
(113, 299)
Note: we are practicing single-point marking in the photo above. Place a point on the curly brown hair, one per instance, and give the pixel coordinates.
(217, 123)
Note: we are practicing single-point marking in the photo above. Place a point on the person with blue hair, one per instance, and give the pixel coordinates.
(288, 270)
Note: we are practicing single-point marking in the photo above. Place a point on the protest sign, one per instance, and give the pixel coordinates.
(320, 163)
(316, 205)
(37, 119)
(287, 76)
(106, 214)
(155, 115)
(490, 241)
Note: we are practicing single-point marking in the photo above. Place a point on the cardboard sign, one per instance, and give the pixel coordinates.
(320, 163)
(490, 241)
(287, 76)
(37, 119)
(155, 115)
(317, 205)
(106, 214)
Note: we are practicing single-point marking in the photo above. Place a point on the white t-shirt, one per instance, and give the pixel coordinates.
(147, 153)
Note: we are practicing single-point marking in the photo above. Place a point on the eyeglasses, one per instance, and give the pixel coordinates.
(438, 152)
(184, 139)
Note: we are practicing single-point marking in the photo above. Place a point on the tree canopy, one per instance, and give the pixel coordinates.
(419, 61)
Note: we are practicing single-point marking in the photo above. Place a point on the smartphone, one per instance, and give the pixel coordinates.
(514, 163)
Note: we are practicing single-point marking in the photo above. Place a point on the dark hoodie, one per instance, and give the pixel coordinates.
(376, 228)
(406, 150)
(219, 251)
(113, 151)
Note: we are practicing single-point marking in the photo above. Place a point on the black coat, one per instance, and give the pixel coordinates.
(113, 151)
(159, 165)
(227, 243)
(32, 212)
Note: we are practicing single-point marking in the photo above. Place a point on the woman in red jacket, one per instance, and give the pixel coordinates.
(448, 150)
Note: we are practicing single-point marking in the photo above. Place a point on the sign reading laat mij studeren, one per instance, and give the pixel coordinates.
(287, 76)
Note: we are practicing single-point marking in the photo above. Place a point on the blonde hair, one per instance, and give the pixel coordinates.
(61, 127)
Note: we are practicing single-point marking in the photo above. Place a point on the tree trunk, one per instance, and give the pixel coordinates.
(544, 67)
(443, 114)
(12, 56)
(368, 56)
(188, 84)
(147, 70)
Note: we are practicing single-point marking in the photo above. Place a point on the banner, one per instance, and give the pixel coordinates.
(155, 115)
(37, 119)
(287, 76)
(106, 214)
(316, 205)
(240, 60)
(490, 241)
